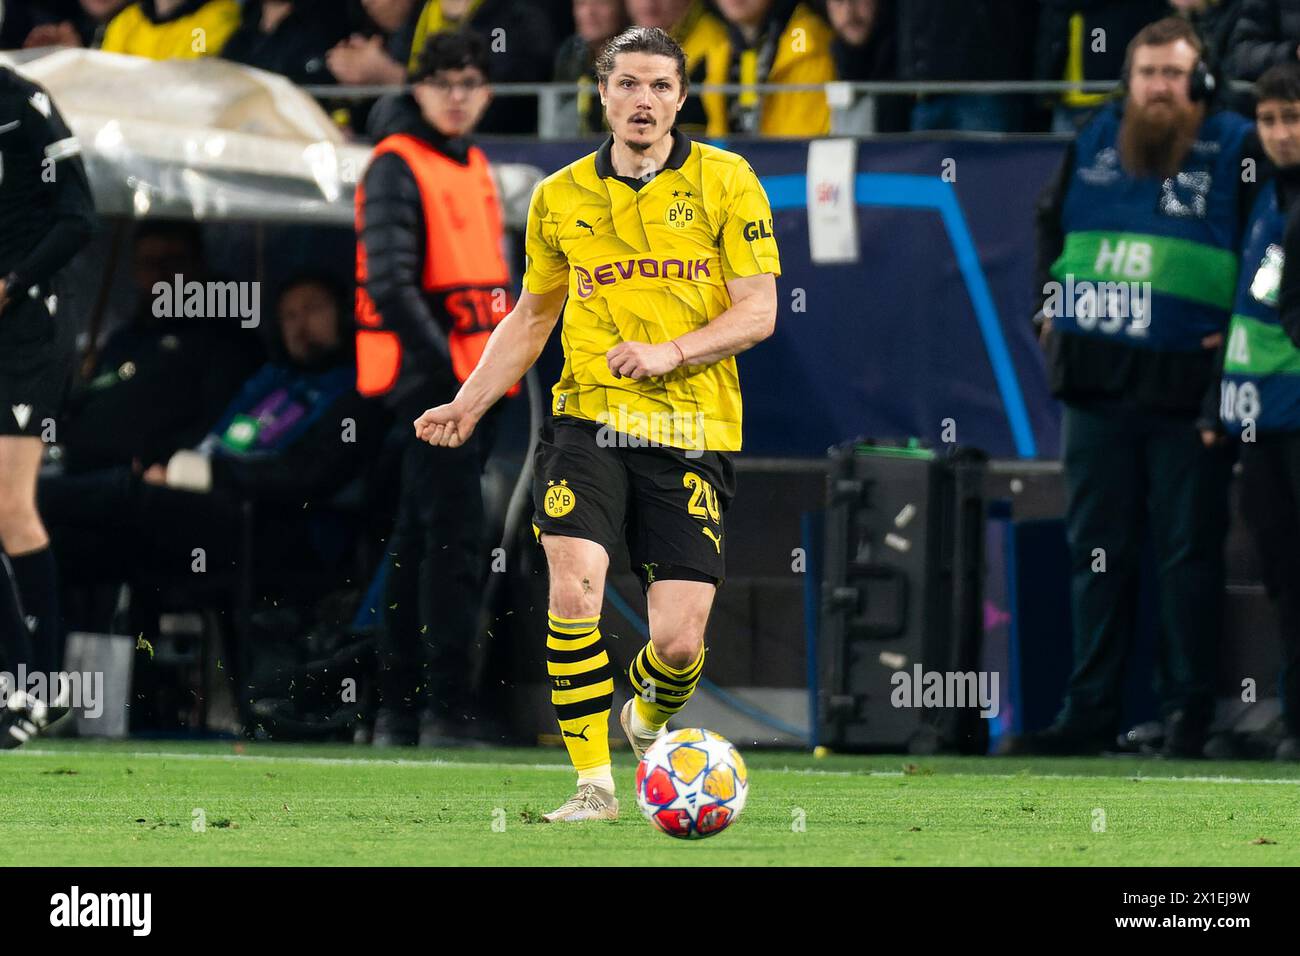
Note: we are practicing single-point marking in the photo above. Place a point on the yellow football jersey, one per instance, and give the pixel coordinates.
(201, 32)
(647, 261)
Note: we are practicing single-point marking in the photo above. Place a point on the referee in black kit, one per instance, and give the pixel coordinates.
(46, 216)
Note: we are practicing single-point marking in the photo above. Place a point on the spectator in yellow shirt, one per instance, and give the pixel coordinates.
(776, 41)
(172, 29)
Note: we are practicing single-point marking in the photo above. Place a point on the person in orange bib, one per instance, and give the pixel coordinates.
(432, 283)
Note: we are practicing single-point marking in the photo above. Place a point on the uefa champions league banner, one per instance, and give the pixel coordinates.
(913, 321)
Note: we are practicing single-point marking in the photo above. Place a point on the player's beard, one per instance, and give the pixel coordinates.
(641, 147)
(1156, 143)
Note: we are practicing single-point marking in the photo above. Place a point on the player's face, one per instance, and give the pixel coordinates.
(453, 101)
(642, 97)
(1159, 77)
(1278, 122)
(309, 323)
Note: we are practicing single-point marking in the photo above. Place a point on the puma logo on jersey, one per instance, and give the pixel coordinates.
(583, 224)
(715, 538)
(41, 103)
(22, 414)
(33, 622)
(580, 735)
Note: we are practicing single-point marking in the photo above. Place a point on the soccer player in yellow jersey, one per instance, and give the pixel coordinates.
(663, 250)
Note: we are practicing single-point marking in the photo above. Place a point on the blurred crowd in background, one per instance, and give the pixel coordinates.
(287, 506)
(373, 43)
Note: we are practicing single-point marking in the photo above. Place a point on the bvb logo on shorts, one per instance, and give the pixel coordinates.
(680, 214)
(560, 499)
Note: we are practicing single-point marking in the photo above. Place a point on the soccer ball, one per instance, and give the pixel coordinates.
(692, 784)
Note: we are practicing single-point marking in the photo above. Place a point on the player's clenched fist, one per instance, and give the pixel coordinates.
(447, 425)
(638, 360)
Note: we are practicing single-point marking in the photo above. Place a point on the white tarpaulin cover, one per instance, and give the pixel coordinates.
(207, 139)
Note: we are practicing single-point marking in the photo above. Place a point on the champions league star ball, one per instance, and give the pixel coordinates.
(692, 784)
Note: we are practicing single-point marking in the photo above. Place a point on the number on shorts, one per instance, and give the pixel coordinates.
(704, 500)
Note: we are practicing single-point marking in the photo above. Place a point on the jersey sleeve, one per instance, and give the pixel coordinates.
(547, 268)
(748, 243)
(61, 150)
(71, 213)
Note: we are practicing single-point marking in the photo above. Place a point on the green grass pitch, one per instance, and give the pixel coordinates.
(74, 802)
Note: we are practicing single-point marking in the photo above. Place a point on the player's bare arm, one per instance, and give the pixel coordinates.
(511, 351)
(751, 319)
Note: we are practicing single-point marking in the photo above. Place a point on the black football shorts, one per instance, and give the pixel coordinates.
(666, 504)
(33, 373)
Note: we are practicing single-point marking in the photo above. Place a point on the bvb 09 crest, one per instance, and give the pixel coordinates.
(560, 499)
(680, 214)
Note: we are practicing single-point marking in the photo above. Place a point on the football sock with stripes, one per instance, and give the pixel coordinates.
(582, 690)
(661, 691)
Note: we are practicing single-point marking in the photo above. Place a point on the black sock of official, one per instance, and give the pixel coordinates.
(37, 579)
(15, 638)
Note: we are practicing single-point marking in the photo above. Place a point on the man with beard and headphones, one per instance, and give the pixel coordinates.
(1138, 242)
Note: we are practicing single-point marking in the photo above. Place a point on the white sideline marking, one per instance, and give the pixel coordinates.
(490, 765)
(267, 758)
(1291, 781)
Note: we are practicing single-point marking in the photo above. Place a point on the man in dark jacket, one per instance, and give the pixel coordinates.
(966, 40)
(296, 433)
(1138, 240)
(159, 381)
(866, 50)
(289, 37)
(1214, 21)
(432, 284)
(1267, 32)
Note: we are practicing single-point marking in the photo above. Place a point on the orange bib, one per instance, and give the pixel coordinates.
(464, 265)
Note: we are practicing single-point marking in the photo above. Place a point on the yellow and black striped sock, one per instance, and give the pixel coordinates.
(661, 691)
(582, 690)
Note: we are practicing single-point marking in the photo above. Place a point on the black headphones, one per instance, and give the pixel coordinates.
(1202, 84)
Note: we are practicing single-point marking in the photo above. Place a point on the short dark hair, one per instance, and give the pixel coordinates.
(1280, 82)
(458, 50)
(338, 291)
(1162, 33)
(650, 40)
